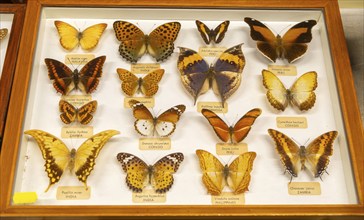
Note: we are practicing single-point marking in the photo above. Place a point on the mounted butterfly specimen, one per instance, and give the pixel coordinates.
(70, 113)
(160, 175)
(147, 125)
(292, 46)
(3, 33)
(301, 93)
(148, 85)
(295, 158)
(223, 76)
(58, 157)
(216, 175)
(65, 80)
(70, 37)
(134, 43)
(229, 133)
(212, 35)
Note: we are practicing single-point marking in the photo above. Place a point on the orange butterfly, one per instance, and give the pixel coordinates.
(70, 113)
(234, 134)
(292, 46)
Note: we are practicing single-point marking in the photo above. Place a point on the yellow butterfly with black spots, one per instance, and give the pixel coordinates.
(58, 157)
(70, 37)
(70, 113)
(160, 175)
(216, 175)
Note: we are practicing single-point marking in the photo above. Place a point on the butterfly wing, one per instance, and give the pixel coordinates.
(68, 112)
(221, 129)
(296, 38)
(87, 153)
(69, 36)
(193, 71)
(84, 115)
(287, 150)
(239, 172)
(243, 126)
(54, 152)
(302, 91)
(132, 40)
(163, 170)
(3, 33)
(220, 31)
(205, 32)
(61, 75)
(213, 172)
(277, 93)
(266, 40)
(144, 123)
(228, 69)
(166, 122)
(90, 36)
(130, 82)
(318, 152)
(90, 74)
(161, 40)
(136, 171)
(149, 85)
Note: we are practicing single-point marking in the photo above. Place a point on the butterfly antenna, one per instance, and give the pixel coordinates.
(292, 178)
(69, 60)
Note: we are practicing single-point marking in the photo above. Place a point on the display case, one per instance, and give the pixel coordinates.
(11, 20)
(31, 165)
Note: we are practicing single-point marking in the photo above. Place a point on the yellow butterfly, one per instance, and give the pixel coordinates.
(300, 94)
(3, 33)
(70, 37)
(71, 113)
(147, 85)
(139, 174)
(216, 175)
(315, 156)
(58, 157)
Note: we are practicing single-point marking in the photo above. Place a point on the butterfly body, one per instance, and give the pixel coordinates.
(224, 76)
(65, 80)
(59, 158)
(212, 35)
(216, 175)
(292, 46)
(315, 156)
(159, 175)
(134, 43)
(236, 133)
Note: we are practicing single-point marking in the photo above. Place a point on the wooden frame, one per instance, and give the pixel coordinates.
(344, 80)
(10, 59)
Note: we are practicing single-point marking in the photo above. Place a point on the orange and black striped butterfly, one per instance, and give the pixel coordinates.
(216, 35)
(235, 134)
(65, 80)
(292, 46)
(146, 124)
(70, 113)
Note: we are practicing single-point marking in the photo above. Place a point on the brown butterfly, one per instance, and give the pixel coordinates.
(315, 156)
(3, 33)
(292, 46)
(235, 134)
(164, 125)
(216, 35)
(69, 113)
(65, 80)
(147, 85)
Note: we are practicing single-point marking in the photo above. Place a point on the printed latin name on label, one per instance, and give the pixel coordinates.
(149, 196)
(144, 68)
(154, 143)
(231, 149)
(211, 51)
(291, 122)
(77, 131)
(213, 106)
(304, 188)
(148, 102)
(73, 193)
(77, 100)
(285, 70)
(228, 198)
(80, 59)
